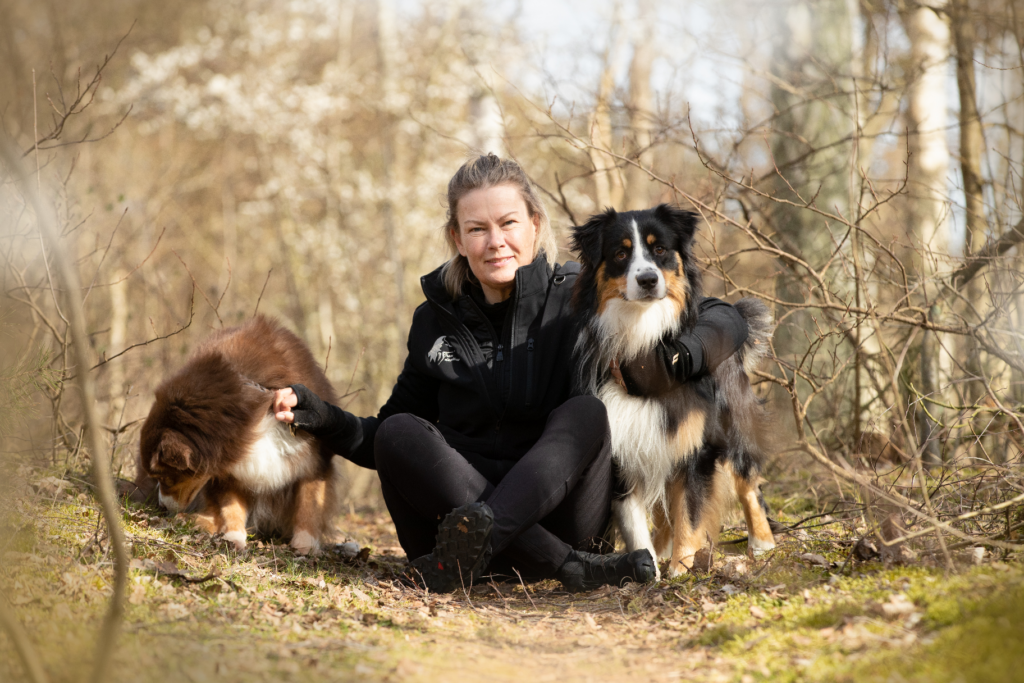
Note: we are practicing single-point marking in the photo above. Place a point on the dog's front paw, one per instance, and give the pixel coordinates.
(675, 570)
(236, 538)
(757, 547)
(304, 543)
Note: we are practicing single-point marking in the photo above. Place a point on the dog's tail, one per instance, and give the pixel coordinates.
(760, 327)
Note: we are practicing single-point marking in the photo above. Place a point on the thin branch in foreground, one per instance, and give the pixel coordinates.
(26, 651)
(191, 316)
(100, 462)
(257, 309)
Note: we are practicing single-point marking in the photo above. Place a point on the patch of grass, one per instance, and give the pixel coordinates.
(830, 616)
(982, 643)
(269, 615)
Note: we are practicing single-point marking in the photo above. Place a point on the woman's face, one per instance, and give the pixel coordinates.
(496, 235)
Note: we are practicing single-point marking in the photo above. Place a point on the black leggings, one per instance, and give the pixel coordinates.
(557, 497)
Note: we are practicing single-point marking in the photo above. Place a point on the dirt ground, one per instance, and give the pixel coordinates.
(198, 611)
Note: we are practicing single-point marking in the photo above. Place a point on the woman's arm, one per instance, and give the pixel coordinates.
(345, 434)
(719, 333)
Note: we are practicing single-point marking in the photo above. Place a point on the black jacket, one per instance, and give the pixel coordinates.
(488, 399)
(492, 399)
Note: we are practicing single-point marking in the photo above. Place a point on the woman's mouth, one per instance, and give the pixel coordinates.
(499, 261)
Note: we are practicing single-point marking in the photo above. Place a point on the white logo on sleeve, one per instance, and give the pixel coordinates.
(441, 352)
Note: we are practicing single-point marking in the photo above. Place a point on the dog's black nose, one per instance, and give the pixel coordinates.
(647, 279)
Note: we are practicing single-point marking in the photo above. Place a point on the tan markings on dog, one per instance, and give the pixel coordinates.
(234, 511)
(186, 490)
(662, 533)
(677, 287)
(650, 239)
(758, 530)
(686, 540)
(608, 289)
(690, 434)
(209, 520)
(310, 499)
(628, 243)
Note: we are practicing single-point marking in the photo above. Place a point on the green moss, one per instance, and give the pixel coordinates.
(832, 615)
(985, 643)
(718, 634)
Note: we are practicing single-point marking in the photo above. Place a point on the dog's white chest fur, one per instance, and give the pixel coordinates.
(276, 459)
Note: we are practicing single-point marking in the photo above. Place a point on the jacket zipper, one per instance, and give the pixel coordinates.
(529, 371)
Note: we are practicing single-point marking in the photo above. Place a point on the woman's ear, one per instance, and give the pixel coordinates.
(458, 240)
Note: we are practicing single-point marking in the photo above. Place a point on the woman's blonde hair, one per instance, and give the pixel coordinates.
(482, 172)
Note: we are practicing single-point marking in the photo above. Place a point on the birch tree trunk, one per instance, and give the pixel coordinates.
(607, 180)
(972, 143)
(641, 108)
(928, 166)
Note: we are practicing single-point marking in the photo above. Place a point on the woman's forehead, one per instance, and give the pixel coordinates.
(490, 203)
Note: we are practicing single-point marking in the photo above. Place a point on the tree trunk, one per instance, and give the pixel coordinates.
(387, 47)
(641, 108)
(928, 165)
(971, 145)
(607, 181)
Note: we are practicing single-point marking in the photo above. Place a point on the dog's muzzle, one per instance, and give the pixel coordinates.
(647, 282)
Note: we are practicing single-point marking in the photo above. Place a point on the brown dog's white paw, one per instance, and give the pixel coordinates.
(236, 539)
(757, 547)
(304, 543)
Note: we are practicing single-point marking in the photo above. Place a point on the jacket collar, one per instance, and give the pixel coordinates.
(530, 280)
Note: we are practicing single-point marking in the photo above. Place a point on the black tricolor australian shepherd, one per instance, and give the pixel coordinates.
(681, 456)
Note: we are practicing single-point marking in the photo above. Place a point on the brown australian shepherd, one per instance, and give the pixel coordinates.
(212, 447)
(682, 455)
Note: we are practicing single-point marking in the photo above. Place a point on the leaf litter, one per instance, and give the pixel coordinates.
(810, 610)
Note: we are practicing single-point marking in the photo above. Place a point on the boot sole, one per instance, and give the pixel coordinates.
(462, 552)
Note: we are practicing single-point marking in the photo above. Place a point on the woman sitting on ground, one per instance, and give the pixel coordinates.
(487, 459)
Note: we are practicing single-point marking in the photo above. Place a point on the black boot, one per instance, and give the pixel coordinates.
(585, 571)
(462, 552)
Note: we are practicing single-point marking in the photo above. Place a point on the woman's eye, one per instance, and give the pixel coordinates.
(659, 250)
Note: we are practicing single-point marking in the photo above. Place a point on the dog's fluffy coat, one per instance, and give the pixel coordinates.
(684, 454)
(212, 446)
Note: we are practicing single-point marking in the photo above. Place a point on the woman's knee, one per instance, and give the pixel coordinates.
(587, 411)
(396, 438)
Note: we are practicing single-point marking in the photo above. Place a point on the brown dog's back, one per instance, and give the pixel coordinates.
(210, 430)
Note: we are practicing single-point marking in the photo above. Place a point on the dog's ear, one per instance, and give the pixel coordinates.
(174, 452)
(683, 223)
(587, 240)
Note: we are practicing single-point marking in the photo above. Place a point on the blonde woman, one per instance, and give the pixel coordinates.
(487, 458)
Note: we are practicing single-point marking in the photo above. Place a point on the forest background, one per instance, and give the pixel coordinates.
(857, 165)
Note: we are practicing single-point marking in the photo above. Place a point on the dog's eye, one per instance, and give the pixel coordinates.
(658, 250)
(620, 255)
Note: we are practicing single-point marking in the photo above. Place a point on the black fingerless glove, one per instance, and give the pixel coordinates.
(661, 369)
(683, 356)
(340, 431)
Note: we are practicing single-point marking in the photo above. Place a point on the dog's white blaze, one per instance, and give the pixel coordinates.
(638, 264)
(277, 459)
(629, 328)
(166, 501)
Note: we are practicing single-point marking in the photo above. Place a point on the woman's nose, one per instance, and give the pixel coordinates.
(496, 238)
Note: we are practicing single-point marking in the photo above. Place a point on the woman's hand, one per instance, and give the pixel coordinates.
(284, 400)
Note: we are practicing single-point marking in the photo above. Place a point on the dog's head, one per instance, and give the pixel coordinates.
(199, 414)
(638, 257)
(171, 459)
